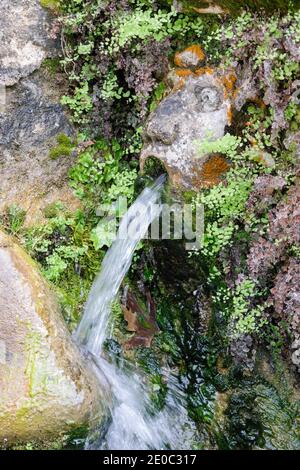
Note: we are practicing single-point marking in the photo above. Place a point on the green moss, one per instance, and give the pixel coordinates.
(57, 444)
(72, 294)
(257, 416)
(76, 438)
(64, 147)
(52, 210)
(53, 5)
(13, 219)
(268, 5)
(33, 342)
(52, 65)
(60, 151)
(72, 440)
(63, 139)
(158, 95)
(154, 167)
(188, 196)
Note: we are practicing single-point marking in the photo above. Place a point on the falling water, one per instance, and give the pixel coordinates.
(133, 422)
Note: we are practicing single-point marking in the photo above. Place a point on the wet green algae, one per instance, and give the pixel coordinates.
(233, 408)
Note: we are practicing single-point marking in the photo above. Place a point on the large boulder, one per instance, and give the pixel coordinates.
(31, 117)
(46, 387)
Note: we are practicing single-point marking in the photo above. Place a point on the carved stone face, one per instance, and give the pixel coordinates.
(196, 112)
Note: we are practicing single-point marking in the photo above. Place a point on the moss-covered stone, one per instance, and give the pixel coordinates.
(53, 5)
(52, 65)
(47, 389)
(64, 147)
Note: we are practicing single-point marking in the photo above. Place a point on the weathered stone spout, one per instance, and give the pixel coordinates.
(197, 109)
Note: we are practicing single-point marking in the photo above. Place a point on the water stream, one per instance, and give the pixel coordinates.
(133, 422)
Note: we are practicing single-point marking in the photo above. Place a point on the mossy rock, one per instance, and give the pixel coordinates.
(47, 388)
(64, 147)
(53, 5)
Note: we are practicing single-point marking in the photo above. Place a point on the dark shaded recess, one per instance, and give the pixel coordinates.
(154, 167)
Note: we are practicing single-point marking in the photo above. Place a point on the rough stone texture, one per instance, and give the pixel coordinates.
(30, 114)
(25, 39)
(197, 109)
(46, 388)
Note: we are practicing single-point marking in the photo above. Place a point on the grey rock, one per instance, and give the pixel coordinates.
(30, 119)
(31, 116)
(46, 387)
(25, 39)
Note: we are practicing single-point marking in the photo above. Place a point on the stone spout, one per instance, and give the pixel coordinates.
(197, 109)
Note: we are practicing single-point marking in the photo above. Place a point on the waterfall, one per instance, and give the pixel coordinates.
(133, 423)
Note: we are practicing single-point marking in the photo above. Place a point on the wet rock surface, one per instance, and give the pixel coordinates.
(45, 385)
(31, 117)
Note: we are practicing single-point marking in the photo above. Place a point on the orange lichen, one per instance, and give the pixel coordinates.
(235, 93)
(194, 49)
(197, 50)
(229, 82)
(204, 70)
(211, 172)
(229, 114)
(178, 60)
(183, 72)
(259, 102)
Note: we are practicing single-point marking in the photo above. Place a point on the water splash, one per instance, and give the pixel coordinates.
(133, 423)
